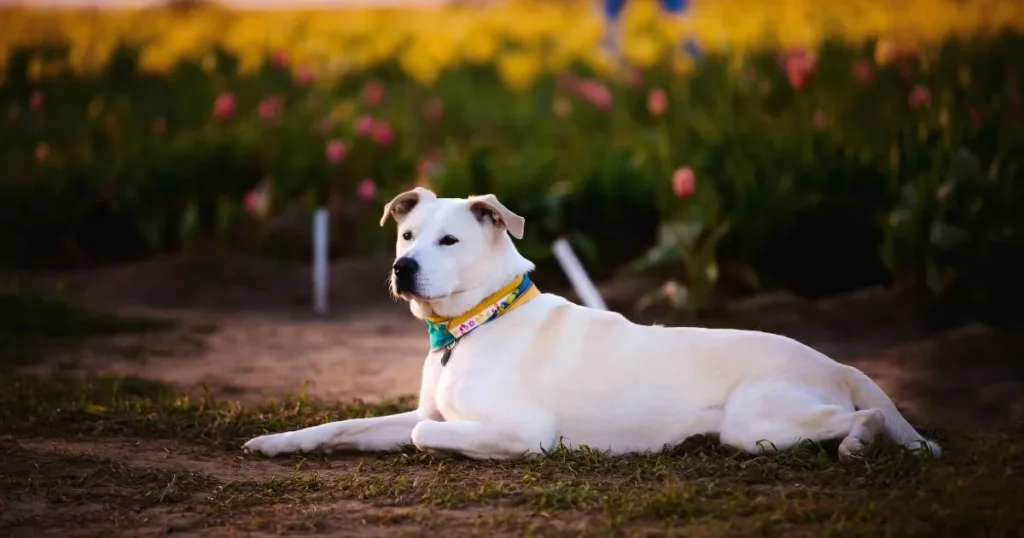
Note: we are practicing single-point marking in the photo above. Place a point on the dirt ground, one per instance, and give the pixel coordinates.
(246, 333)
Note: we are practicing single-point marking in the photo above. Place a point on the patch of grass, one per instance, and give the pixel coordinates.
(699, 487)
(34, 319)
(137, 407)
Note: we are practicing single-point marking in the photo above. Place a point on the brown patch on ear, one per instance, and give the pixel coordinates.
(487, 207)
(401, 205)
(485, 213)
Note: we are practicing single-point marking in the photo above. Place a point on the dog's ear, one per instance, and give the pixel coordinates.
(401, 205)
(487, 207)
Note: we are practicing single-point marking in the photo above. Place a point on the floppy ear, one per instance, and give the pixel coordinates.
(401, 205)
(487, 207)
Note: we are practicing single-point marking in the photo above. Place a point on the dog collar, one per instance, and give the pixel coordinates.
(444, 332)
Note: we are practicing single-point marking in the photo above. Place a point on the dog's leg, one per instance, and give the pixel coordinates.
(772, 416)
(866, 426)
(478, 440)
(377, 434)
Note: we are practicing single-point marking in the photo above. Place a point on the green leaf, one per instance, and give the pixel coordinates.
(189, 222)
(225, 215)
(946, 236)
(585, 246)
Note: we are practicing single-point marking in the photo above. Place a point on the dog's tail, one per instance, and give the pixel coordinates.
(867, 395)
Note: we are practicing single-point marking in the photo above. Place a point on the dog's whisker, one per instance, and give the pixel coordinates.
(389, 282)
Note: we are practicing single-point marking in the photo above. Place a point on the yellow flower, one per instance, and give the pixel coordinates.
(682, 65)
(336, 42)
(481, 47)
(420, 67)
(599, 62)
(157, 60)
(519, 69)
(209, 62)
(35, 68)
(641, 50)
(249, 62)
(885, 51)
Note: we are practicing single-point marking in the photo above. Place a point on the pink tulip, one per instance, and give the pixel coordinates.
(382, 133)
(633, 77)
(975, 115)
(909, 53)
(799, 64)
(429, 164)
(905, 70)
(366, 190)
(159, 126)
(373, 93)
(35, 102)
(364, 125)
(657, 102)
(257, 200)
(568, 82)
(684, 182)
(42, 151)
(251, 201)
(304, 76)
(225, 105)
(433, 110)
(863, 73)
(280, 60)
(335, 151)
(821, 120)
(596, 94)
(919, 97)
(270, 108)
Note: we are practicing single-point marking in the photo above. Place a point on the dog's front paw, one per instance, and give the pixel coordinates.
(271, 445)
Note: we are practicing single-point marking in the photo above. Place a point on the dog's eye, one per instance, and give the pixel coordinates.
(407, 235)
(448, 240)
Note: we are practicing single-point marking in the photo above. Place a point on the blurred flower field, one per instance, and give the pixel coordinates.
(809, 145)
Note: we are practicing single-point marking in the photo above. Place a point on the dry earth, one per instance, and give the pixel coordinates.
(246, 334)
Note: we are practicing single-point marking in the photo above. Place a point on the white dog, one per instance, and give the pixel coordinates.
(513, 372)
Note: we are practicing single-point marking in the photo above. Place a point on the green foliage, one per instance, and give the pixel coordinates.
(840, 182)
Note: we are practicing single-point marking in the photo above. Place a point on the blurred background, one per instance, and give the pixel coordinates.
(698, 155)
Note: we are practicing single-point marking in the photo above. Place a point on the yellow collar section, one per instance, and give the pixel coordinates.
(444, 331)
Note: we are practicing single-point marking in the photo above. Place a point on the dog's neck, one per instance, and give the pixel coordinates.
(509, 265)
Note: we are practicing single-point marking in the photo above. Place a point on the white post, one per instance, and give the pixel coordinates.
(577, 275)
(321, 232)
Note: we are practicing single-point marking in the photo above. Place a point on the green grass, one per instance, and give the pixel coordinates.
(700, 488)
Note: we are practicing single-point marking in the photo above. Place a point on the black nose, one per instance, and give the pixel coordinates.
(405, 267)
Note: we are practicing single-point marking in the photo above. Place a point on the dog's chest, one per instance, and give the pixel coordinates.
(474, 382)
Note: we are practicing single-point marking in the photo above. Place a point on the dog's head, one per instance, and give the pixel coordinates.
(452, 252)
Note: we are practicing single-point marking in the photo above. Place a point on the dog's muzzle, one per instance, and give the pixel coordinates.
(405, 271)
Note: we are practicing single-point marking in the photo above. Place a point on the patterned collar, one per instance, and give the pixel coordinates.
(444, 332)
